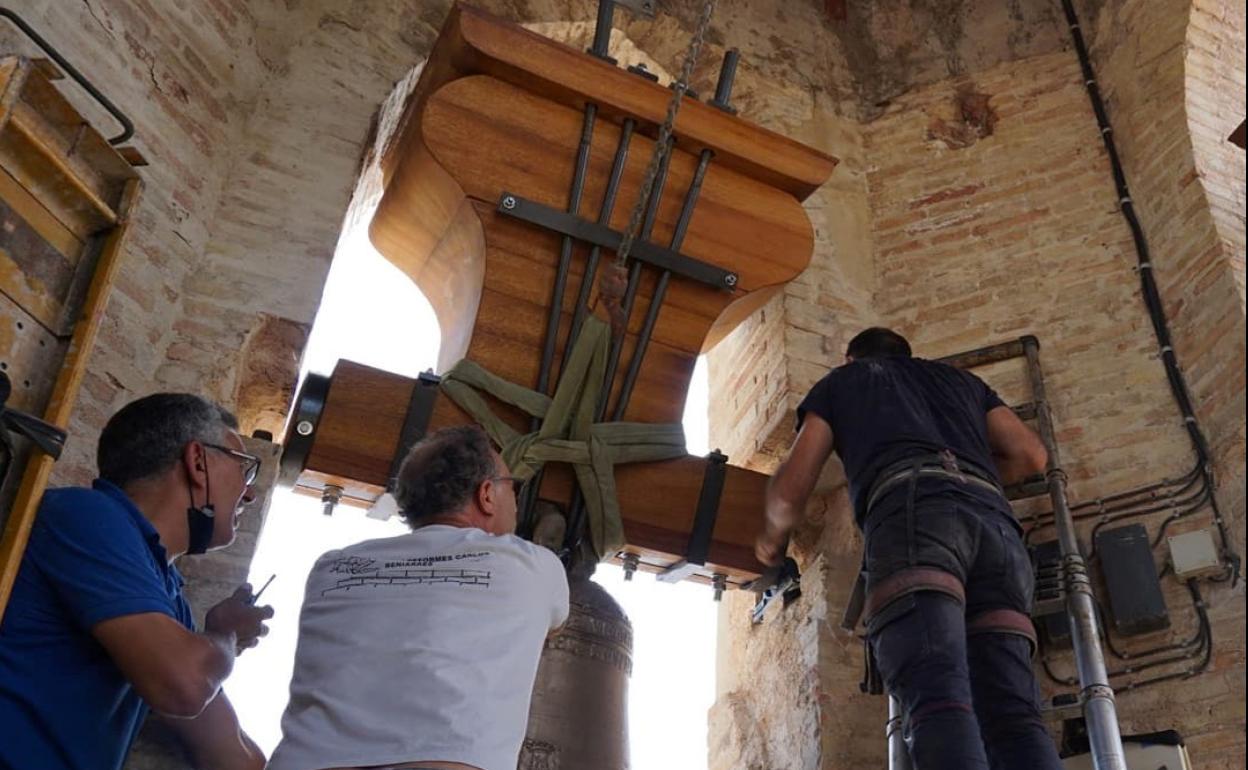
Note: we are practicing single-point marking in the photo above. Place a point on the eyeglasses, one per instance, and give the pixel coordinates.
(250, 463)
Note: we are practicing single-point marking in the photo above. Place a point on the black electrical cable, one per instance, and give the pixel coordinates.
(1152, 297)
(1203, 648)
(1096, 508)
(1155, 504)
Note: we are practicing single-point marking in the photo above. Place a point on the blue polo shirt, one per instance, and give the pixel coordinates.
(886, 409)
(92, 556)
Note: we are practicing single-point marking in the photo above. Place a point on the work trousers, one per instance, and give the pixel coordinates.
(970, 699)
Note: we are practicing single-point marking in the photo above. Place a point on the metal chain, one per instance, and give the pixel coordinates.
(663, 144)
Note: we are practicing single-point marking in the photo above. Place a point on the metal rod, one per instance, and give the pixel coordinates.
(126, 125)
(555, 312)
(634, 278)
(1098, 697)
(565, 248)
(602, 29)
(894, 732)
(727, 73)
(660, 289)
(604, 217)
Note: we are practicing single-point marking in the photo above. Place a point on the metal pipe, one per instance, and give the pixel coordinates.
(604, 218)
(894, 732)
(660, 289)
(127, 127)
(1098, 697)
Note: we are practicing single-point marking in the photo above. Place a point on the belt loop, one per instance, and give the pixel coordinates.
(911, 546)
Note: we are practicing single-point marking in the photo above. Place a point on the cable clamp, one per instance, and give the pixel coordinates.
(1106, 130)
(1125, 200)
(1166, 349)
(1187, 418)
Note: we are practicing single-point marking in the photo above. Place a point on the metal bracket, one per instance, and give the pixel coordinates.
(47, 437)
(703, 521)
(309, 405)
(782, 580)
(604, 237)
(641, 71)
(415, 421)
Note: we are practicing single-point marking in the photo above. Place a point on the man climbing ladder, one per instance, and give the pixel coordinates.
(926, 449)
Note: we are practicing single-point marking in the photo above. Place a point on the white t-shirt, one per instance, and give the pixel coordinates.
(420, 647)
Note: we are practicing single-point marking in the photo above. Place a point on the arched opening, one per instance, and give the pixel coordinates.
(419, 316)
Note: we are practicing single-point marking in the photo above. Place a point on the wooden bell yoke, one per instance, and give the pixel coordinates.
(509, 179)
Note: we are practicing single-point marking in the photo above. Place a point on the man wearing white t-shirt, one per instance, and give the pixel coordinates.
(419, 651)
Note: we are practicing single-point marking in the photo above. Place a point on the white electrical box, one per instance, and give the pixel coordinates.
(1140, 756)
(1193, 554)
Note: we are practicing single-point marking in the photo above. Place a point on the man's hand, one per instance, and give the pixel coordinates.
(236, 617)
(790, 488)
(771, 546)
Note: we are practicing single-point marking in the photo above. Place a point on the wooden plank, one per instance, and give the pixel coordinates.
(12, 76)
(65, 393)
(357, 436)
(491, 137)
(35, 273)
(38, 217)
(474, 41)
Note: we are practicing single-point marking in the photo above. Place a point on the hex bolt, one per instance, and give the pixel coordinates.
(509, 202)
(719, 582)
(330, 497)
(630, 560)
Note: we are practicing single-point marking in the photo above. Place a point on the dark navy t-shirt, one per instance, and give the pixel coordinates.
(887, 409)
(64, 704)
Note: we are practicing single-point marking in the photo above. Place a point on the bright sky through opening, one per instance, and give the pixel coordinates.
(373, 314)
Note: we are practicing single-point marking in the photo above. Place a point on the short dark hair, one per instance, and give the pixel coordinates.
(877, 341)
(146, 437)
(442, 472)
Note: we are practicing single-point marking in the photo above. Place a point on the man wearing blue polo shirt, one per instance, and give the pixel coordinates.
(97, 631)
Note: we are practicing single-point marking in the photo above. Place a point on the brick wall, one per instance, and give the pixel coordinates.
(992, 214)
(187, 75)
(961, 220)
(1215, 105)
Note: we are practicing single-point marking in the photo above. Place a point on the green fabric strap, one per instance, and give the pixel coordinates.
(569, 433)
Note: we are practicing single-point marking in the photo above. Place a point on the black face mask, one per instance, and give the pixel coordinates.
(200, 520)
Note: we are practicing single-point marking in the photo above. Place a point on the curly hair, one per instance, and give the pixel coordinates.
(442, 471)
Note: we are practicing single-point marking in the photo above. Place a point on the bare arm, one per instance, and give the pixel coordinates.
(1016, 449)
(214, 739)
(791, 485)
(176, 671)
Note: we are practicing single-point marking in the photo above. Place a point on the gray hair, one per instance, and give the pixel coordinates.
(442, 472)
(146, 437)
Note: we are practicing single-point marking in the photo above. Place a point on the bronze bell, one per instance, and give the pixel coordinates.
(578, 716)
